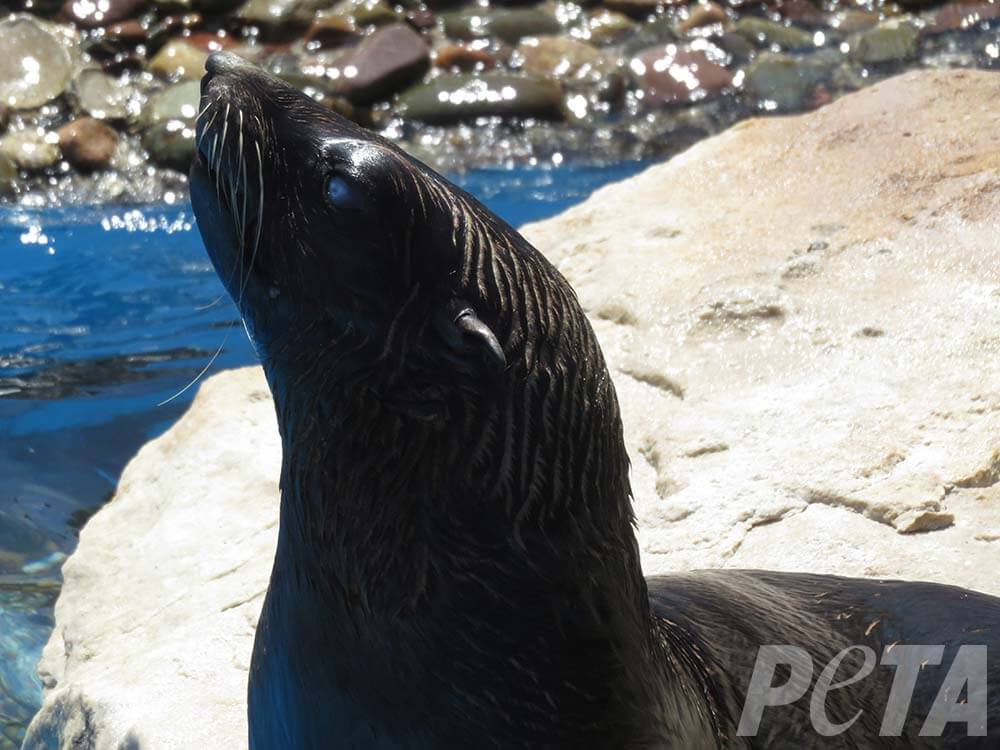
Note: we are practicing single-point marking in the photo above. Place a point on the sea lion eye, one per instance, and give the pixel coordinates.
(339, 192)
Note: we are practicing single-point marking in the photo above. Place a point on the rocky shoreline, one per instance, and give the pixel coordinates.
(98, 99)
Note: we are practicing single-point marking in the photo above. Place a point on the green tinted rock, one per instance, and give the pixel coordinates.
(891, 41)
(766, 33)
(456, 97)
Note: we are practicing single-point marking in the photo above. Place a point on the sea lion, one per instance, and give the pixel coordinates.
(456, 564)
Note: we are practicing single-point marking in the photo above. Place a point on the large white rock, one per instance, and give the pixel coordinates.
(803, 318)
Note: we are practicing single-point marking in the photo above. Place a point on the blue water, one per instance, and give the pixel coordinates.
(103, 315)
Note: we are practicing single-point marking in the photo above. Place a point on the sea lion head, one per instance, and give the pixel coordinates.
(323, 231)
(371, 284)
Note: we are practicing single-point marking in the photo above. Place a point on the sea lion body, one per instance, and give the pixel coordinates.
(457, 565)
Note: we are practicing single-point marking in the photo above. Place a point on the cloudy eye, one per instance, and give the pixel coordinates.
(339, 191)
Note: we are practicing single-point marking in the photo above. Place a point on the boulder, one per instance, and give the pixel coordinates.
(801, 316)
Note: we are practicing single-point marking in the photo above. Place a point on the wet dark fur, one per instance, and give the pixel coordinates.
(456, 565)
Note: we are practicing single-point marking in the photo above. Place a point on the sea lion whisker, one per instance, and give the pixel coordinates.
(260, 221)
(204, 369)
(208, 125)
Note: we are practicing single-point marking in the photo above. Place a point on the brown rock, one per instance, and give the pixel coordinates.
(801, 12)
(703, 14)
(127, 33)
(89, 15)
(329, 32)
(421, 19)
(464, 57)
(959, 16)
(211, 41)
(670, 74)
(640, 8)
(385, 62)
(87, 144)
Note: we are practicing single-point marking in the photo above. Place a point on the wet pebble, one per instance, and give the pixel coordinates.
(640, 8)
(962, 16)
(383, 63)
(510, 25)
(779, 82)
(605, 27)
(32, 150)
(571, 61)
(703, 14)
(35, 66)
(890, 41)
(100, 95)
(464, 58)
(87, 144)
(678, 73)
(176, 102)
(179, 60)
(8, 174)
(456, 97)
(89, 14)
(766, 33)
(366, 12)
(330, 32)
(170, 144)
(851, 21)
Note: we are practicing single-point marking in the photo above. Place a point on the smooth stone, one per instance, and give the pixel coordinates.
(87, 144)
(961, 16)
(640, 9)
(35, 67)
(454, 97)
(851, 21)
(890, 41)
(703, 14)
(215, 7)
(89, 14)
(735, 45)
(216, 41)
(670, 73)
(422, 20)
(509, 24)
(765, 33)
(802, 13)
(279, 14)
(783, 83)
(798, 445)
(126, 34)
(381, 64)
(464, 58)
(9, 174)
(100, 95)
(366, 12)
(170, 144)
(179, 60)
(178, 101)
(330, 32)
(172, 28)
(575, 64)
(31, 150)
(605, 27)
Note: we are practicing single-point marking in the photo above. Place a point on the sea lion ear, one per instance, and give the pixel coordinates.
(478, 337)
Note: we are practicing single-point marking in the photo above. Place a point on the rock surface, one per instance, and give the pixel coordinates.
(801, 316)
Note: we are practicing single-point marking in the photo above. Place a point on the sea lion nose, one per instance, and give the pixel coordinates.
(221, 63)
